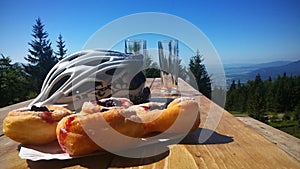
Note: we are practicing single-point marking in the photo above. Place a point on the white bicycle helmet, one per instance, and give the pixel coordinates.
(93, 75)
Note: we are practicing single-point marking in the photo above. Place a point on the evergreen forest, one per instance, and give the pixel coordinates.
(275, 102)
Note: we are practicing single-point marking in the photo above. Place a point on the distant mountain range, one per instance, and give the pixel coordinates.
(245, 72)
(290, 69)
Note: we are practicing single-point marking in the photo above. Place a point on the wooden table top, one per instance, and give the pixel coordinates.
(231, 145)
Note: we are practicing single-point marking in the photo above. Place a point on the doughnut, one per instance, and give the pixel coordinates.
(162, 121)
(74, 140)
(136, 121)
(35, 126)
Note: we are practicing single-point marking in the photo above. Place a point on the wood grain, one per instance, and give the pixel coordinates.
(284, 141)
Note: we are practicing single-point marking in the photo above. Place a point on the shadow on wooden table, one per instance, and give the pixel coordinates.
(100, 161)
(200, 136)
(206, 136)
(97, 161)
(121, 162)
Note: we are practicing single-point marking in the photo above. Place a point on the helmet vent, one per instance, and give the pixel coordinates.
(96, 63)
(137, 81)
(58, 84)
(77, 55)
(59, 72)
(110, 72)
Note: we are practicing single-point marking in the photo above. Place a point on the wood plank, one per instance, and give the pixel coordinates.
(286, 142)
(9, 154)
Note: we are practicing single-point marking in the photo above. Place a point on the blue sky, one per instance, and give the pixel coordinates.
(242, 31)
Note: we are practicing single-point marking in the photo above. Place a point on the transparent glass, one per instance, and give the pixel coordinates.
(135, 46)
(169, 65)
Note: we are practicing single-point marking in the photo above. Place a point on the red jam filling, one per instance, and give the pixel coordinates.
(146, 108)
(63, 133)
(47, 116)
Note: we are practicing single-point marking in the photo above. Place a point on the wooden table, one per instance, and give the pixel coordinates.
(231, 145)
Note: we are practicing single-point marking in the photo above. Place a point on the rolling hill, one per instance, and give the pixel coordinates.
(245, 72)
(290, 69)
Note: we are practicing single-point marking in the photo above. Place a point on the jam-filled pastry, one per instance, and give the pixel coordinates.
(138, 121)
(35, 126)
(105, 104)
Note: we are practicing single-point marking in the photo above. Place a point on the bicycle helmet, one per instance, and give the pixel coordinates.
(93, 75)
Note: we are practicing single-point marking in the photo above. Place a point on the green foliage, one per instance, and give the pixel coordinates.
(152, 70)
(237, 97)
(231, 95)
(288, 126)
(258, 97)
(202, 79)
(219, 95)
(256, 102)
(22, 82)
(14, 84)
(182, 72)
(296, 113)
(40, 58)
(136, 47)
(60, 54)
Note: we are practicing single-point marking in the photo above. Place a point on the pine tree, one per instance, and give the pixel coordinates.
(40, 57)
(136, 47)
(244, 92)
(219, 93)
(233, 85)
(257, 97)
(151, 68)
(230, 99)
(61, 48)
(13, 82)
(201, 77)
(281, 94)
(182, 72)
(241, 97)
(256, 103)
(270, 90)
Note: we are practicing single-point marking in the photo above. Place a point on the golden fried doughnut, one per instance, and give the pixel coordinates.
(34, 127)
(137, 121)
(74, 140)
(162, 121)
